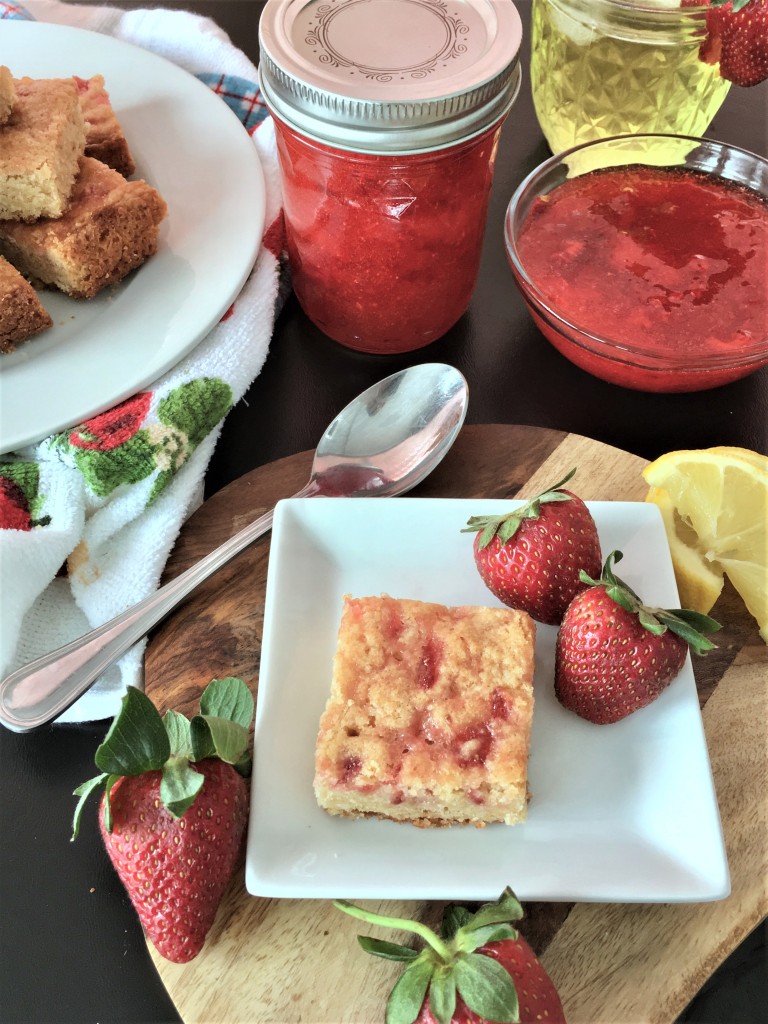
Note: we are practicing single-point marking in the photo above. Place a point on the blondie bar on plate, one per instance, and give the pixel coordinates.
(429, 716)
(41, 143)
(104, 136)
(21, 312)
(7, 93)
(110, 228)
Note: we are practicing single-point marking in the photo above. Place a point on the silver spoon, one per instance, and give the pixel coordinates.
(381, 445)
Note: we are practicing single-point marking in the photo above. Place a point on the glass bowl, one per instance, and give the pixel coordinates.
(625, 354)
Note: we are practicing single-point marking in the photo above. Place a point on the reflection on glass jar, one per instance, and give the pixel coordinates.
(384, 249)
(610, 67)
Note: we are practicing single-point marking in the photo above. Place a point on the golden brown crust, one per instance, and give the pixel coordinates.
(109, 229)
(41, 143)
(21, 313)
(429, 715)
(418, 822)
(104, 137)
(114, 153)
(7, 93)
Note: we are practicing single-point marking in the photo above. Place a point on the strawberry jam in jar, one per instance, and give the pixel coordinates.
(387, 116)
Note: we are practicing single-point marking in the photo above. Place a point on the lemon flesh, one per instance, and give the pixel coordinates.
(714, 503)
(699, 583)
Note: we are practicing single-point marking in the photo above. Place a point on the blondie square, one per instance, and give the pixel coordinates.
(41, 143)
(110, 228)
(429, 716)
(104, 137)
(7, 93)
(21, 313)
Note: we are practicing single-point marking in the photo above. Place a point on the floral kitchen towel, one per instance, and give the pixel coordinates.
(89, 516)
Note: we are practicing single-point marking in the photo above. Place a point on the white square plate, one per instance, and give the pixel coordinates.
(624, 812)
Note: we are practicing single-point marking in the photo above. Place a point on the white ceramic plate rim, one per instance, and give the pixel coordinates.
(191, 147)
(619, 813)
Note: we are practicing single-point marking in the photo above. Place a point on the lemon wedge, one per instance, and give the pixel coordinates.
(714, 503)
(698, 583)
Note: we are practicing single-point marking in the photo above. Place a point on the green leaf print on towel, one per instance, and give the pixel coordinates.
(128, 463)
(187, 415)
(120, 447)
(196, 407)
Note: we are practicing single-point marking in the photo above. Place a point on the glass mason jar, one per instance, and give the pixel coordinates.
(387, 119)
(614, 67)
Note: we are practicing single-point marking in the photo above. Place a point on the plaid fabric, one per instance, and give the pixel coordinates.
(240, 95)
(8, 10)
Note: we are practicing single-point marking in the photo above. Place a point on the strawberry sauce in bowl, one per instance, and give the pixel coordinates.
(644, 259)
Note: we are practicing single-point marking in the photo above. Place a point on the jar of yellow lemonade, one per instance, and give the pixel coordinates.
(614, 67)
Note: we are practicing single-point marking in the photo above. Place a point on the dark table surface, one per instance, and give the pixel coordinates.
(71, 948)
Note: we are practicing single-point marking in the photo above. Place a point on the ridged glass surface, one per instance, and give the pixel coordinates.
(588, 84)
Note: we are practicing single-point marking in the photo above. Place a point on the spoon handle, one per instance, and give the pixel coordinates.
(38, 692)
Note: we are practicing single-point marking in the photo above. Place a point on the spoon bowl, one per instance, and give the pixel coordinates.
(391, 436)
(381, 445)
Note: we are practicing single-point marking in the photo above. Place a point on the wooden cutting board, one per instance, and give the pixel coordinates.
(287, 961)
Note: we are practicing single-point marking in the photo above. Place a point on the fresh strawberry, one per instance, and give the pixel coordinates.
(173, 829)
(166, 863)
(531, 557)
(737, 39)
(480, 969)
(614, 655)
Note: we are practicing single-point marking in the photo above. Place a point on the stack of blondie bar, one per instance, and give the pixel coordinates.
(69, 219)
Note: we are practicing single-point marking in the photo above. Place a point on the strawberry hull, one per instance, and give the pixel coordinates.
(459, 979)
(608, 663)
(600, 690)
(538, 998)
(533, 559)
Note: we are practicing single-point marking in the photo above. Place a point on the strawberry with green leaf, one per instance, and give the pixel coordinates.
(174, 809)
(615, 655)
(479, 969)
(530, 558)
(737, 40)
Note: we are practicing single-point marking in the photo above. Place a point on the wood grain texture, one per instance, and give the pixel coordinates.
(289, 961)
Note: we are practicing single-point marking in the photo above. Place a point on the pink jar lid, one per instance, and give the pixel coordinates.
(390, 75)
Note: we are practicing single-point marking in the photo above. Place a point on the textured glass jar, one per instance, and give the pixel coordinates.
(384, 251)
(613, 67)
(387, 119)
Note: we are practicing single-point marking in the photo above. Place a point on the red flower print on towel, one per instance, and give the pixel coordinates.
(110, 429)
(20, 499)
(14, 508)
